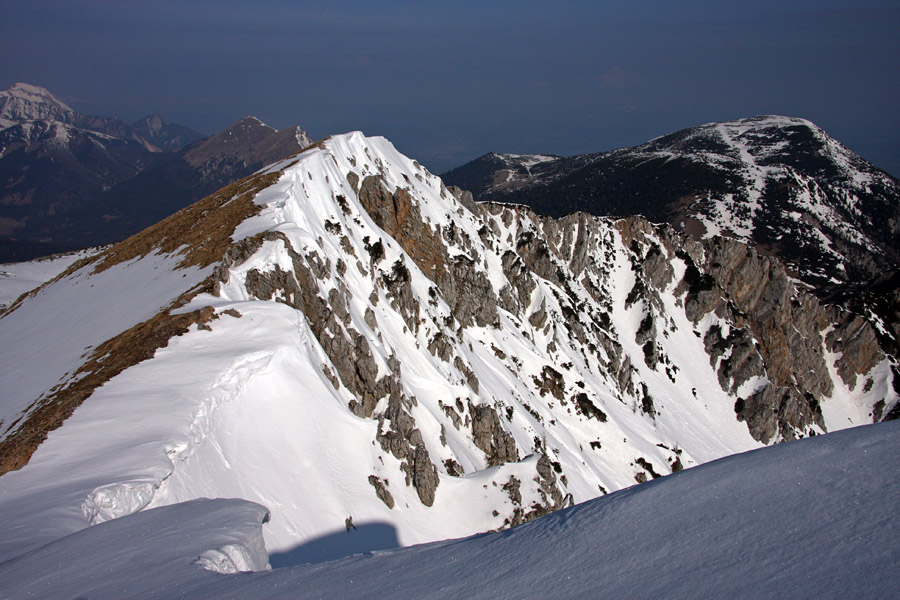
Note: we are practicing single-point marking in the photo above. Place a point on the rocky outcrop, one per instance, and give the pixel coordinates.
(776, 331)
(550, 497)
(328, 319)
(462, 283)
(770, 351)
(397, 434)
(382, 491)
(489, 435)
(854, 338)
(551, 382)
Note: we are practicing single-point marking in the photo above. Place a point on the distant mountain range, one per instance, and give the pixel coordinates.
(71, 180)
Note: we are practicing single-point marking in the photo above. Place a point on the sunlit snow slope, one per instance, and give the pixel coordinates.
(338, 336)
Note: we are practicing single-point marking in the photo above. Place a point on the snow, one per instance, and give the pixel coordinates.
(245, 409)
(822, 213)
(807, 519)
(27, 89)
(851, 404)
(155, 553)
(515, 163)
(25, 102)
(528, 160)
(18, 278)
(97, 306)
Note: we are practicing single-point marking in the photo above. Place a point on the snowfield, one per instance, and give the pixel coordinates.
(19, 278)
(814, 518)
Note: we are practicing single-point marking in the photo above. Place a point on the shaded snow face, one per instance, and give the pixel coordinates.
(384, 353)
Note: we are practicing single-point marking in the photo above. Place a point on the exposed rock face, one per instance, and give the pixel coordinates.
(405, 442)
(381, 491)
(489, 434)
(549, 497)
(463, 285)
(352, 357)
(777, 332)
(764, 342)
(856, 341)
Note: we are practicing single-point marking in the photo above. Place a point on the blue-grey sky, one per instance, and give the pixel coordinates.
(449, 81)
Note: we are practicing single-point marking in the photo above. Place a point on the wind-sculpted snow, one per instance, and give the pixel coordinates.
(156, 553)
(357, 345)
(809, 519)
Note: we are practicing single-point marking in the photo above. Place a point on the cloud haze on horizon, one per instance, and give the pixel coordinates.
(447, 82)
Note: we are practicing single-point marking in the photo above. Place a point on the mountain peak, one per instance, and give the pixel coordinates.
(248, 129)
(27, 102)
(780, 183)
(27, 89)
(247, 142)
(168, 136)
(251, 121)
(772, 121)
(153, 122)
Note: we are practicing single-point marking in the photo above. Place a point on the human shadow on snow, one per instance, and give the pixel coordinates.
(366, 537)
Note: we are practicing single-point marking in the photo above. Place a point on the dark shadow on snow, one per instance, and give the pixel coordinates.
(367, 537)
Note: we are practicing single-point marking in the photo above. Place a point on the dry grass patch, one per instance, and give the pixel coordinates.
(201, 232)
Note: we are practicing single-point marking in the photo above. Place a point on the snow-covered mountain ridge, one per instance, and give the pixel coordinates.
(781, 184)
(338, 335)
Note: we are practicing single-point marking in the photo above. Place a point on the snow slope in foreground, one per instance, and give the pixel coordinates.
(807, 519)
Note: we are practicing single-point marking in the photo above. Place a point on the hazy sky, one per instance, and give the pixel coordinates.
(449, 81)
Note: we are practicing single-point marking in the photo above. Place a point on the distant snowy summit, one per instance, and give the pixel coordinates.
(781, 184)
(25, 102)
